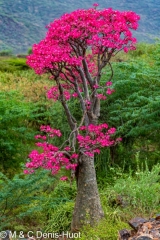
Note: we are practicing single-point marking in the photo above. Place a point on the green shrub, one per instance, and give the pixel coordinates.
(13, 64)
(7, 52)
(142, 49)
(21, 199)
(18, 63)
(134, 108)
(29, 50)
(60, 219)
(135, 194)
(59, 207)
(15, 136)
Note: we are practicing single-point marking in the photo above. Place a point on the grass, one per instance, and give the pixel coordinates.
(27, 83)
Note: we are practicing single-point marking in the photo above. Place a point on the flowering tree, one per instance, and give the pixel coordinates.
(75, 50)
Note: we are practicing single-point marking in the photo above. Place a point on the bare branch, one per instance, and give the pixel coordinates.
(84, 80)
(74, 133)
(87, 73)
(111, 71)
(71, 119)
(79, 94)
(82, 103)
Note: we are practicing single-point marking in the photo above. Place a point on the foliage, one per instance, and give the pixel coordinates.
(134, 107)
(29, 51)
(133, 194)
(60, 219)
(14, 132)
(21, 198)
(22, 82)
(6, 52)
(35, 200)
(47, 204)
(23, 109)
(13, 64)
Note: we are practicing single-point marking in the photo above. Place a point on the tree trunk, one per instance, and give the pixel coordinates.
(87, 207)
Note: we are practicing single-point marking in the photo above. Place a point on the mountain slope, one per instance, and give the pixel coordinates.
(22, 23)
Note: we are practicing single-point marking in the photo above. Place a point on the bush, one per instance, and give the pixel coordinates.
(7, 52)
(18, 63)
(137, 194)
(13, 64)
(134, 109)
(15, 136)
(59, 207)
(21, 199)
(23, 109)
(60, 219)
(29, 50)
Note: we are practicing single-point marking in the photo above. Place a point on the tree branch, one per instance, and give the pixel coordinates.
(71, 119)
(87, 73)
(84, 81)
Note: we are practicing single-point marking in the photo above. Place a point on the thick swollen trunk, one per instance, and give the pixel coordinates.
(87, 207)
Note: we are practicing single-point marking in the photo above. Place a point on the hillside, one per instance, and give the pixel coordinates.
(22, 23)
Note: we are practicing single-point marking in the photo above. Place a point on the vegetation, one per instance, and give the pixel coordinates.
(6, 52)
(134, 108)
(129, 184)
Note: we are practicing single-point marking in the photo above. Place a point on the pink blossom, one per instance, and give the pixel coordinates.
(90, 154)
(96, 86)
(111, 130)
(67, 148)
(101, 96)
(74, 156)
(64, 178)
(28, 171)
(108, 83)
(97, 151)
(71, 166)
(51, 158)
(125, 49)
(88, 104)
(75, 95)
(54, 50)
(82, 128)
(40, 137)
(67, 95)
(119, 139)
(95, 5)
(109, 91)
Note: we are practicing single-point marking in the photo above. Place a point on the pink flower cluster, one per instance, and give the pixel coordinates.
(95, 5)
(109, 91)
(52, 158)
(52, 132)
(98, 136)
(68, 92)
(53, 93)
(83, 29)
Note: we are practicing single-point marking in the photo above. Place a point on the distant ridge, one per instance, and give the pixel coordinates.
(22, 22)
